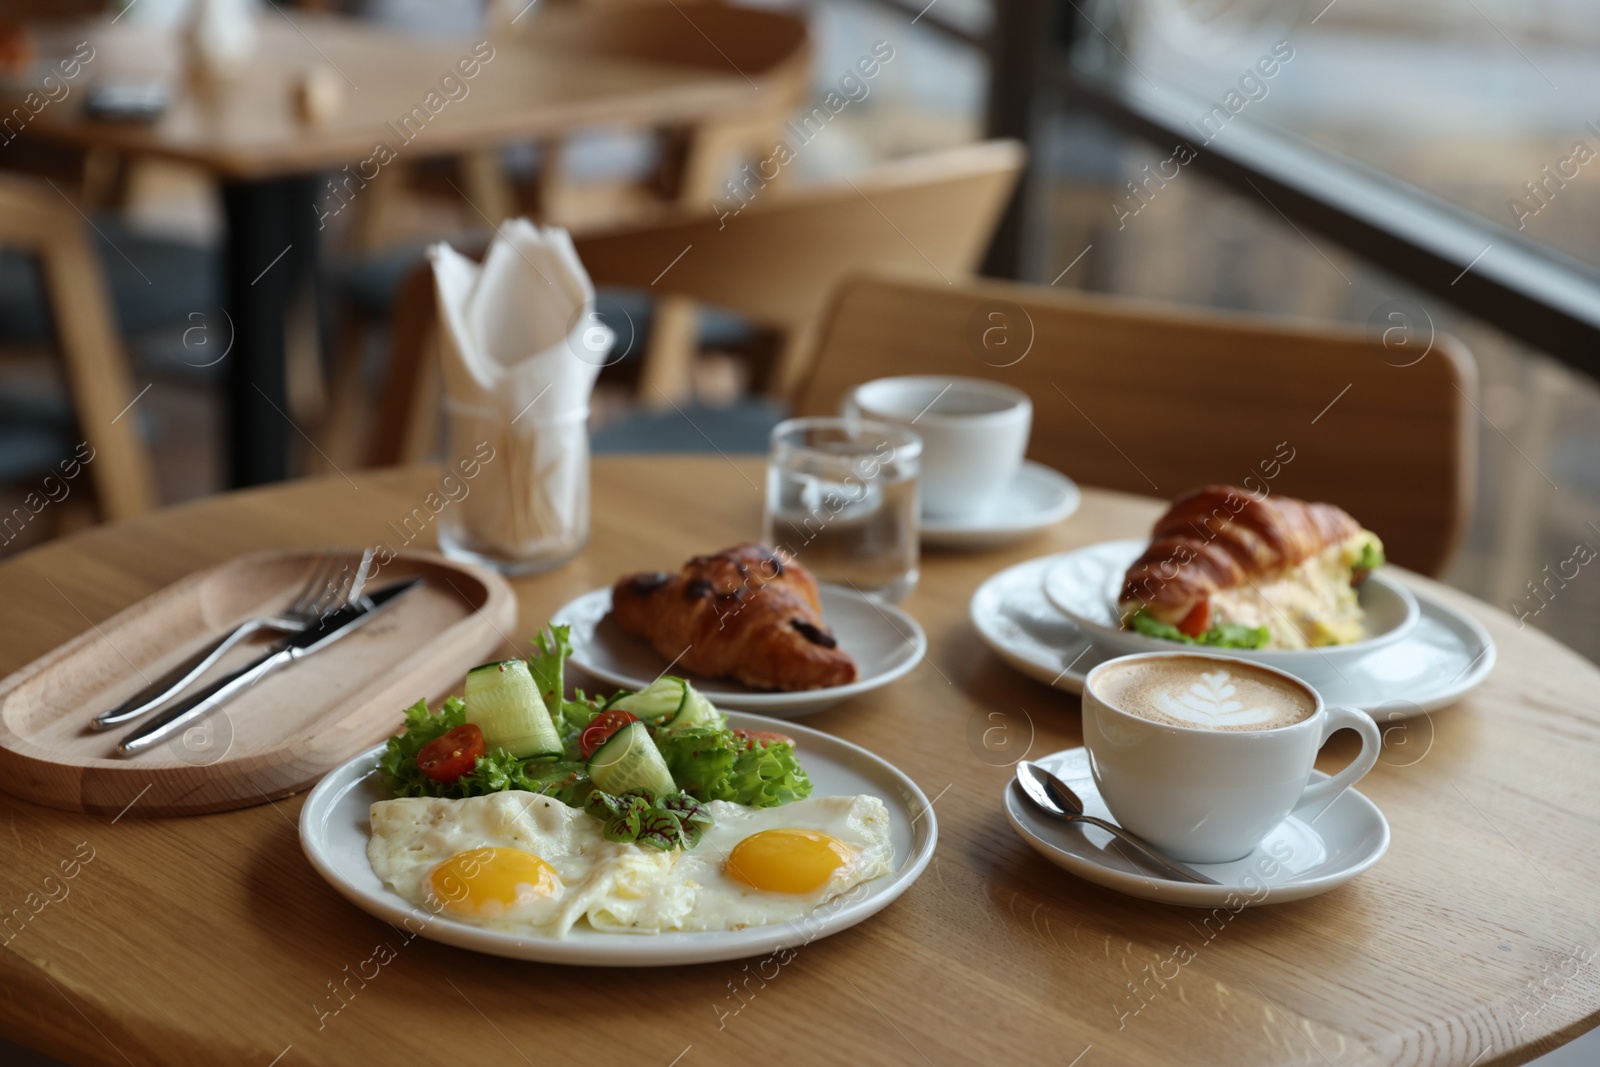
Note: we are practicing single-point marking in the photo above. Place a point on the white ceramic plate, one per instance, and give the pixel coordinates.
(334, 829)
(1310, 852)
(1037, 498)
(885, 641)
(1444, 657)
(1084, 586)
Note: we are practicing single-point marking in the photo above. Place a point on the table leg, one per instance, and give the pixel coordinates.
(271, 252)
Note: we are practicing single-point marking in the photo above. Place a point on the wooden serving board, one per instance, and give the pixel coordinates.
(276, 738)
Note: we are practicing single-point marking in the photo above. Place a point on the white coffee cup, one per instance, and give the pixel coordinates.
(1210, 795)
(974, 433)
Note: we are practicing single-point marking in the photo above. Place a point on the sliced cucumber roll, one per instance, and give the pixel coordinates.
(503, 700)
(657, 704)
(629, 762)
(697, 709)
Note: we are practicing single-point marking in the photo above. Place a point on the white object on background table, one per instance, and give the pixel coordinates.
(222, 35)
(335, 827)
(1298, 859)
(521, 347)
(974, 432)
(1036, 498)
(885, 642)
(1445, 656)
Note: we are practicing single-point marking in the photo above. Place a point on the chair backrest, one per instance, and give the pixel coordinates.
(1154, 400)
(755, 43)
(777, 257)
(38, 220)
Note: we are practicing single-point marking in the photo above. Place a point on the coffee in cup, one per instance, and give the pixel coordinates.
(1203, 756)
(1218, 695)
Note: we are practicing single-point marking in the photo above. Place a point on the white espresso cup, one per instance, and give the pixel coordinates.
(1211, 791)
(974, 433)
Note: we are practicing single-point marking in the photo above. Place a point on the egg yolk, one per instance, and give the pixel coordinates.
(787, 860)
(486, 882)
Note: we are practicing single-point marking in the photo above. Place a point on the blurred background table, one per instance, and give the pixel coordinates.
(212, 940)
(275, 166)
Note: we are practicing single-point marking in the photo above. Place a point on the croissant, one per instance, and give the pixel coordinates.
(742, 613)
(1222, 554)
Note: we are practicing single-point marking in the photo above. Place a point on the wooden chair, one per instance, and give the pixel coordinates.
(1154, 399)
(770, 49)
(41, 222)
(774, 262)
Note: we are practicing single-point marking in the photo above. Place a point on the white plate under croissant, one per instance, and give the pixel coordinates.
(1083, 586)
(885, 642)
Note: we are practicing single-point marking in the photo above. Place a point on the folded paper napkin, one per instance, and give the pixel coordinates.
(521, 347)
(520, 329)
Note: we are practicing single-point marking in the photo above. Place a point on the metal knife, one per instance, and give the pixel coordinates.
(333, 626)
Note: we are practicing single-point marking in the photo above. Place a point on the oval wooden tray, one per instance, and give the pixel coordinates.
(278, 737)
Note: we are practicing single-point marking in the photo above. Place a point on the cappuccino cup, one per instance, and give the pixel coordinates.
(1203, 755)
(974, 433)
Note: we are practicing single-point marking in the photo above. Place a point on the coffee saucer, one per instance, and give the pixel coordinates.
(1444, 656)
(1037, 497)
(1317, 848)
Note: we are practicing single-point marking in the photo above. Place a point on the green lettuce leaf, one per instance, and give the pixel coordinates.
(700, 758)
(548, 665)
(1222, 635)
(1236, 635)
(766, 775)
(1371, 557)
(1151, 626)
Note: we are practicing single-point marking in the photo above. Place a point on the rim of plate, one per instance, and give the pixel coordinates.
(1093, 628)
(1071, 500)
(1184, 893)
(756, 699)
(1475, 639)
(669, 948)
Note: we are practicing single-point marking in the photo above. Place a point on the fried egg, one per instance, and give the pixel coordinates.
(510, 860)
(762, 865)
(523, 862)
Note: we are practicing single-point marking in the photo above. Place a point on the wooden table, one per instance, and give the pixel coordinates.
(210, 940)
(249, 133)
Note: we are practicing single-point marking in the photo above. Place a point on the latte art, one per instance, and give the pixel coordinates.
(1199, 692)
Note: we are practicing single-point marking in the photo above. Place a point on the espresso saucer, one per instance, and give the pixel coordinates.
(1038, 497)
(1317, 848)
(1440, 659)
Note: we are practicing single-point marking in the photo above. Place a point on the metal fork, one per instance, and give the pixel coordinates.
(332, 585)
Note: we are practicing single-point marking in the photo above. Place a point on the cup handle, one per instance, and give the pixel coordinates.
(1327, 792)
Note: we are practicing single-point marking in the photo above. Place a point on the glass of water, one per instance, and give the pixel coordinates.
(842, 499)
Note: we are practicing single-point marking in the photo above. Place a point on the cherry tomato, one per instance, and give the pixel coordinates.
(1198, 621)
(600, 730)
(446, 758)
(752, 738)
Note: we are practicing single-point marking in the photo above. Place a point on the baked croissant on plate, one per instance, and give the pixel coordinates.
(742, 613)
(1228, 568)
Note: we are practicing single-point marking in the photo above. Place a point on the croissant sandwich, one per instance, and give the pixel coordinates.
(742, 613)
(1228, 568)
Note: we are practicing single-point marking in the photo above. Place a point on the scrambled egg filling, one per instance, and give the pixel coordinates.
(1309, 605)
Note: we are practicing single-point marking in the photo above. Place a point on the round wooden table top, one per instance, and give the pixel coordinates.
(210, 939)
